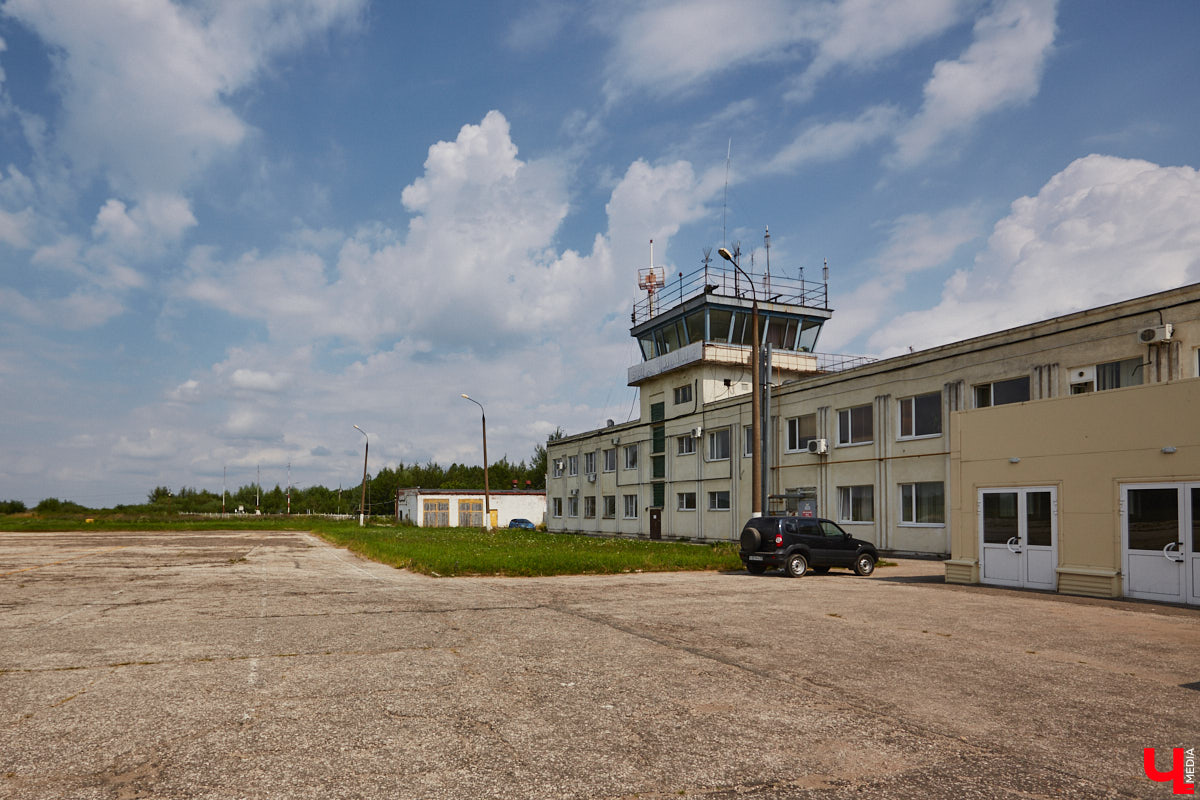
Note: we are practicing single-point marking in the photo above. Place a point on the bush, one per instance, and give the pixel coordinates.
(12, 507)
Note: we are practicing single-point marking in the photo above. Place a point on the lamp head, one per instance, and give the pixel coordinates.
(465, 397)
(725, 254)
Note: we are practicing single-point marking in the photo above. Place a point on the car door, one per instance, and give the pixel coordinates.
(839, 545)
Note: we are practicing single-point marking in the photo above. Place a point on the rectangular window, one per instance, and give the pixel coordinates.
(631, 506)
(686, 501)
(609, 506)
(572, 506)
(801, 430)
(556, 507)
(1116, 374)
(856, 425)
(683, 394)
(1000, 393)
(685, 445)
(747, 440)
(610, 460)
(436, 513)
(921, 415)
(718, 445)
(558, 467)
(718, 501)
(470, 513)
(923, 503)
(856, 503)
(572, 465)
(658, 493)
(631, 456)
(589, 463)
(589, 507)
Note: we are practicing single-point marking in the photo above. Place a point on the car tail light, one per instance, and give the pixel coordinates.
(779, 540)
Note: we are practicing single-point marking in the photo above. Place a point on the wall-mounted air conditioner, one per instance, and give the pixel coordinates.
(591, 477)
(818, 446)
(574, 493)
(697, 432)
(1083, 375)
(616, 440)
(1156, 333)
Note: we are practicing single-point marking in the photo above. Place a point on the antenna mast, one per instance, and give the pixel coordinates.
(725, 197)
(651, 279)
(767, 245)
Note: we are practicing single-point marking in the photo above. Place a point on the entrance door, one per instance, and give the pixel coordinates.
(656, 523)
(1018, 537)
(1160, 537)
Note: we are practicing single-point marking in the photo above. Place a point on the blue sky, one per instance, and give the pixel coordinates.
(231, 231)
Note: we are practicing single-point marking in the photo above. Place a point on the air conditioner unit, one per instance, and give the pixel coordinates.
(1156, 333)
(591, 477)
(818, 446)
(1083, 375)
(574, 493)
(616, 440)
(697, 432)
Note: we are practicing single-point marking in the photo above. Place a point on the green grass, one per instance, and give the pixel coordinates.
(432, 551)
(470, 551)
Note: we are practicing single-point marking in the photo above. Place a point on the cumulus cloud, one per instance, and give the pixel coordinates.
(1002, 67)
(1102, 230)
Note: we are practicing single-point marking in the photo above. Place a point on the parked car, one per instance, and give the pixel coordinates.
(521, 523)
(796, 543)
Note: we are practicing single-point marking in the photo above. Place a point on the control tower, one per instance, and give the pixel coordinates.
(696, 330)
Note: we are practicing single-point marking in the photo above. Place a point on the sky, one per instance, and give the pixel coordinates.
(230, 231)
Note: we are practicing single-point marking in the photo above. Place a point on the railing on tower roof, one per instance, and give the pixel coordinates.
(721, 281)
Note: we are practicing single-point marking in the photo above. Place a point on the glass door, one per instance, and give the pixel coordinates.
(1018, 536)
(1160, 537)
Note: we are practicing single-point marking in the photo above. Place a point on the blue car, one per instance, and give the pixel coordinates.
(521, 523)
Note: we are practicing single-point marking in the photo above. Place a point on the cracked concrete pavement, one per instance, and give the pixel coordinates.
(273, 665)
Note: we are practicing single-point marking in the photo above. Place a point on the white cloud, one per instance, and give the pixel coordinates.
(157, 220)
(1102, 230)
(145, 83)
(1002, 67)
(834, 140)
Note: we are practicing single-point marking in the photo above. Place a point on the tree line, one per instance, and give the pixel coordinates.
(381, 491)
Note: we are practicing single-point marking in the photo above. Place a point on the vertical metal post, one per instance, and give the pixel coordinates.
(362, 508)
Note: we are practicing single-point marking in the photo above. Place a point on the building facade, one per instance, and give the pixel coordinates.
(898, 451)
(450, 508)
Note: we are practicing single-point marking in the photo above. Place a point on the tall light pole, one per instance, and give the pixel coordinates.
(362, 508)
(756, 505)
(487, 501)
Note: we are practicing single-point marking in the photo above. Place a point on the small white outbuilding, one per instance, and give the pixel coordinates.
(449, 508)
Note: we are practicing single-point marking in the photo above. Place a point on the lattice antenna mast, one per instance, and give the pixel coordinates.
(650, 280)
(725, 196)
(767, 247)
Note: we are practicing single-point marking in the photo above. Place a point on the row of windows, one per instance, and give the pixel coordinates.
(919, 416)
(921, 503)
(608, 506)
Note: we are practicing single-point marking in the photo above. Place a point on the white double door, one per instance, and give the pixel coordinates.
(1160, 537)
(1018, 537)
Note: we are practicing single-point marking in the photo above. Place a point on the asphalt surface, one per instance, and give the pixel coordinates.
(272, 665)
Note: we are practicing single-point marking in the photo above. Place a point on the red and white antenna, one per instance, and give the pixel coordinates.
(651, 279)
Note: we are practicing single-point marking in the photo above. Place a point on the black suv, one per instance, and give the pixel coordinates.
(797, 543)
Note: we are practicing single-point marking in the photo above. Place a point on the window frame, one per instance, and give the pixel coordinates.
(911, 417)
(589, 506)
(556, 507)
(748, 441)
(847, 501)
(573, 506)
(685, 445)
(631, 462)
(610, 464)
(681, 499)
(572, 465)
(625, 498)
(909, 506)
(799, 442)
(608, 510)
(715, 436)
(683, 394)
(849, 412)
(714, 499)
(991, 387)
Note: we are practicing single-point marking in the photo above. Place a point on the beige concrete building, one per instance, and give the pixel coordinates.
(1084, 423)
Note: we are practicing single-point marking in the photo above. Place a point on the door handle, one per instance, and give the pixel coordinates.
(1172, 554)
(1009, 545)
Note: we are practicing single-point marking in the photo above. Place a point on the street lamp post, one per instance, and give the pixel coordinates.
(756, 483)
(487, 501)
(362, 507)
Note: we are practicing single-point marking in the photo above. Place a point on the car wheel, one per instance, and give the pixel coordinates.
(820, 570)
(864, 565)
(796, 566)
(756, 568)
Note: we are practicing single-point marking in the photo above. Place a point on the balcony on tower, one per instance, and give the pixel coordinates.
(703, 321)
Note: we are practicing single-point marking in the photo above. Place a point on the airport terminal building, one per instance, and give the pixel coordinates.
(1061, 455)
